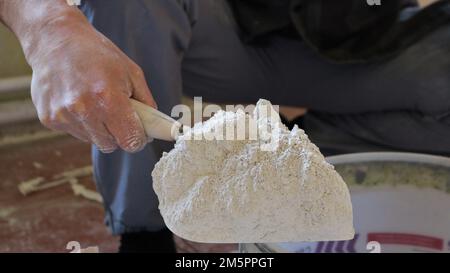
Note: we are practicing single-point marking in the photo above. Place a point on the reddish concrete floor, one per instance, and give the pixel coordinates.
(46, 221)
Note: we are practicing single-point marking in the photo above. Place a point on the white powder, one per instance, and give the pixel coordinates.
(229, 191)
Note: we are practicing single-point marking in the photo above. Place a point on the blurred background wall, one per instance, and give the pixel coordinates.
(12, 60)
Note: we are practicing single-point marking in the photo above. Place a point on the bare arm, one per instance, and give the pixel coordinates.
(81, 81)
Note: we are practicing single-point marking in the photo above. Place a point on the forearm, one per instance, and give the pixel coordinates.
(35, 22)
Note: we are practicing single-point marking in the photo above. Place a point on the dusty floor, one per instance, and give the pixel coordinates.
(46, 221)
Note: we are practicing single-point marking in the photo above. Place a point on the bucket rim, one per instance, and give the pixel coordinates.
(389, 156)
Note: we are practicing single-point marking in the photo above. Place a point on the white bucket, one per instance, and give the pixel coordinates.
(402, 204)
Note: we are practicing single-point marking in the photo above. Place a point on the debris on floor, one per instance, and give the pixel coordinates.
(80, 190)
(68, 177)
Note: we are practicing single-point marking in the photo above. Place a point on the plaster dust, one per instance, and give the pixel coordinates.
(233, 191)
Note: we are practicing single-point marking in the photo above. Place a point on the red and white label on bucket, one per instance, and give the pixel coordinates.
(408, 240)
(392, 219)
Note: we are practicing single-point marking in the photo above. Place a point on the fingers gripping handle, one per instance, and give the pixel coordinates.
(157, 125)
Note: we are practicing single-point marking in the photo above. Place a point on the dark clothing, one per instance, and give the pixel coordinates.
(405, 131)
(341, 30)
(412, 116)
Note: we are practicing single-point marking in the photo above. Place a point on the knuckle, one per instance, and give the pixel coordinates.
(76, 106)
(46, 120)
(137, 70)
(132, 143)
(53, 124)
(52, 119)
(107, 149)
(103, 97)
(104, 143)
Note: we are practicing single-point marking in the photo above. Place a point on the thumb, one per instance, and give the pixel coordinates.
(141, 91)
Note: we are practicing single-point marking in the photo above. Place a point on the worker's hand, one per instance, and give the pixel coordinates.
(82, 84)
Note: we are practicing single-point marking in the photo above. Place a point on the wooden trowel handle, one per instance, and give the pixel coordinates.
(157, 125)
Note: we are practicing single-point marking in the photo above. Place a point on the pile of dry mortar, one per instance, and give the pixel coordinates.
(276, 188)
